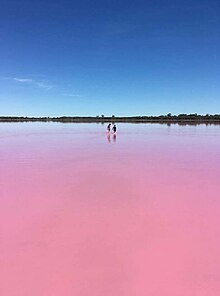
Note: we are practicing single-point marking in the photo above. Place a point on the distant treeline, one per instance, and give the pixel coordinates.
(163, 119)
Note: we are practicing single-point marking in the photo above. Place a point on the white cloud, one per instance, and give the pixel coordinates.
(71, 95)
(43, 84)
(40, 84)
(37, 83)
(23, 80)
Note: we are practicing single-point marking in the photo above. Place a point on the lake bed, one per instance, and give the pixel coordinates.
(85, 213)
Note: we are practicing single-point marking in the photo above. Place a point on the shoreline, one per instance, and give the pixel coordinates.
(163, 119)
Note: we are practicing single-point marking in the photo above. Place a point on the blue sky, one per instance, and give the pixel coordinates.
(109, 57)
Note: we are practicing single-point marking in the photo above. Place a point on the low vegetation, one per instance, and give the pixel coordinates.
(181, 119)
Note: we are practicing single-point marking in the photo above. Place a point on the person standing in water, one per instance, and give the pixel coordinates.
(114, 129)
(109, 127)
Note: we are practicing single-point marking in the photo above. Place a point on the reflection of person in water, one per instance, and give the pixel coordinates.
(109, 139)
(109, 127)
(114, 129)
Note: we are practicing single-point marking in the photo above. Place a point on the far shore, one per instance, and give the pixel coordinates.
(181, 119)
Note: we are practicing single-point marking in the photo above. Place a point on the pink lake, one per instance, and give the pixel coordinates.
(82, 214)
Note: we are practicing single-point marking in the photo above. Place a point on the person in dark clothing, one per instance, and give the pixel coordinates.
(114, 129)
(109, 127)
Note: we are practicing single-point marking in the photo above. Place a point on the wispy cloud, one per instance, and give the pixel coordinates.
(71, 95)
(40, 84)
(37, 83)
(23, 80)
(43, 84)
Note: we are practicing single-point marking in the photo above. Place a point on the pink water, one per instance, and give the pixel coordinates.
(84, 214)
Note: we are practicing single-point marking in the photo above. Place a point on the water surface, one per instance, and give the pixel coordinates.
(85, 214)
